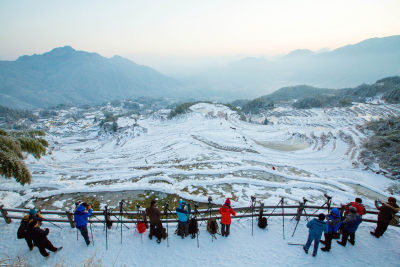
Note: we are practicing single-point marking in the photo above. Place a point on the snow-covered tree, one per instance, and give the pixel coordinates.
(12, 144)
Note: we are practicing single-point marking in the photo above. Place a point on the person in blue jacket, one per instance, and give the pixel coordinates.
(350, 225)
(80, 217)
(334, 222)
(183, 218)
(316, 227)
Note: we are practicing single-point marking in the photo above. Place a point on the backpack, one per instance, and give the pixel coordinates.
(212, 226)
(262, 222)
(23, 229)
(160, 232)
(141, 227)
(193, 227)
(394, 221)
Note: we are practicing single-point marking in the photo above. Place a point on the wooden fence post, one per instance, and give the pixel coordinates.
(5, 213)
(70, 219)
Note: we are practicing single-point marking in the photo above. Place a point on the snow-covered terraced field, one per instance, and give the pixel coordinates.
(209, 151)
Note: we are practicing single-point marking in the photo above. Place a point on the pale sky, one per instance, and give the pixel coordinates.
(164, 33)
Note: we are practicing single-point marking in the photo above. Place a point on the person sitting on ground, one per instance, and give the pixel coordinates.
(385, 215)
(40, 240)
(316, 228)
(155, 220)
(24, 231)
(80, 217)
(350, 225)
(358, 205)
(226, 212)
(183, 218)
(333, 222)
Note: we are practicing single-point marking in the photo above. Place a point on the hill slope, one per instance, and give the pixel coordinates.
(67, 76)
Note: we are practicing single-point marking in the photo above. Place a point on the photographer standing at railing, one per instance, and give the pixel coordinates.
(385, 215)
(226, 212)
(183, 218)
(80, 217)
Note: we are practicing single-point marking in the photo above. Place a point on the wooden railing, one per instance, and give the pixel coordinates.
(127, 217)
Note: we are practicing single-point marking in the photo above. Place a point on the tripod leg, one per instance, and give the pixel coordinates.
(252, 212)
(283, 219)
(91, 233)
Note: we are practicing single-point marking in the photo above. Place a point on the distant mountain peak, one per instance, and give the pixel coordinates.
(61, 51)
(300, 52)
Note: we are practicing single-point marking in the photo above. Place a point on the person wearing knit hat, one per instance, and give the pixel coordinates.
(316, 228)
(226, 212)
(385, 215)
(350, 226)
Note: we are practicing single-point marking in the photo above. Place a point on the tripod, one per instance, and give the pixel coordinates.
(209, 209)
(166, 209)
(196, 211)
(253, 202)
(328, 202)
(107, 224)
(283, 215)
(121, 209)
(300, 210)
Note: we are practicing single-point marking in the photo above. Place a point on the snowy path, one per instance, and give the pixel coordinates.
(265, 248)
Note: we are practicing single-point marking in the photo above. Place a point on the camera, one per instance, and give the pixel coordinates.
(253, 198)
(305, 199)
(138, 205)
(210, 199)
(328, 197)
(196, 205)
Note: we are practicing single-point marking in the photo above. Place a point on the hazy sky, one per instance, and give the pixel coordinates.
(170, 34)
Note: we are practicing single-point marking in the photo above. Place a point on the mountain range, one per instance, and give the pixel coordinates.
(67, 76)
(344, 67)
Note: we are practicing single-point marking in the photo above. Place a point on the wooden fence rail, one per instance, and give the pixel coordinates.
(203, 214)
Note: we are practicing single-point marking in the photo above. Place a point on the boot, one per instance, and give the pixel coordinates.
(325, 249)
(373, 233)
(340, 243)
(305, 250)
(323, 242)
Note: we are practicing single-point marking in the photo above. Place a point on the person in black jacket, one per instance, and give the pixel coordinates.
(24, 229)
(385, 215)
(40, 240)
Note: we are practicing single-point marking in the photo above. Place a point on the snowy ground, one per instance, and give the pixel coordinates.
(265, 248)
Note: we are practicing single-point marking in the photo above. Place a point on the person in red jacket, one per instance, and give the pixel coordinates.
(226, 212)
(356, 204)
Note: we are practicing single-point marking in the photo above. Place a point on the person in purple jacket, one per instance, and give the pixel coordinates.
(316, 228)
(80, 217)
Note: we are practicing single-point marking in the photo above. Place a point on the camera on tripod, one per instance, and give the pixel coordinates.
(328, 197)
(166, 205)
(138, 205)
(305, 200)
(210, 199)
(196, 205)
(253, 198)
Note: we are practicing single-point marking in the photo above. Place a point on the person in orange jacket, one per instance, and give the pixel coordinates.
(226, 212)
